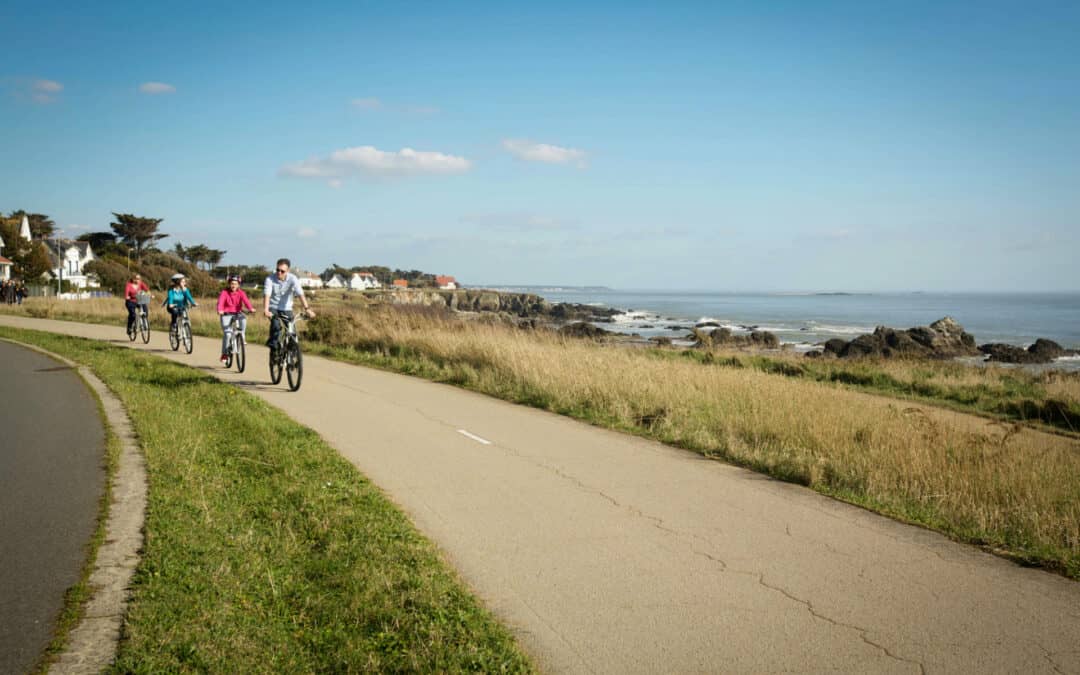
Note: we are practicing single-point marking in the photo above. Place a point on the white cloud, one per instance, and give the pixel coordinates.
(369, 103)
(45, 91)
(542, 152)
(154, 88)
(369, 161)
(518, 222)
(48, 86)
(307, 233)
(420, 110)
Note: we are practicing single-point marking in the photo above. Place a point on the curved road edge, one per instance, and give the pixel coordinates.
(91, 644)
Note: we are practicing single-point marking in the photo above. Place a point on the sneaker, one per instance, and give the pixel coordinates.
(224, 358)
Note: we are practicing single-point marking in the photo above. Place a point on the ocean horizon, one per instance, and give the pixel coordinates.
(804, 319)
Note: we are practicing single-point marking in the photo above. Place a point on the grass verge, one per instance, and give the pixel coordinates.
(267, 551)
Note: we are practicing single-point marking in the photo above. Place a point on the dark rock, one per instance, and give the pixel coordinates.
(707, 324)
(582, 329)
(945, 338)
(1043, 351)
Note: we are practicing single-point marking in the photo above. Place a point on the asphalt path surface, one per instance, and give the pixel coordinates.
(52, 475)
(608, 553)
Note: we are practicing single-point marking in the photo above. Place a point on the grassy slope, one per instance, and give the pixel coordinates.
(266, 548)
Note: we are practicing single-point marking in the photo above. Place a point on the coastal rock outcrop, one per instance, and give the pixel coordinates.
(723, 337)
(1043, 351)
(582, 329)
(945, 338)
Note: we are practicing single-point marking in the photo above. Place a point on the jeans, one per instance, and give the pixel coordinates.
(175, 312)
(226, 329)
(132, 306)
(276, 326)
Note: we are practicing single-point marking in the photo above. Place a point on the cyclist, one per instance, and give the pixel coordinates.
(278, 292)
(178, 298)
(131, 298)
(233, 300)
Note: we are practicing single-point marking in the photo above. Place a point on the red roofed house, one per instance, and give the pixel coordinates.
(446, 282)
(401, 283)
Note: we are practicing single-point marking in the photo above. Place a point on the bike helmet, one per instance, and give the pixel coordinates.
(178, 276)
(233, 277)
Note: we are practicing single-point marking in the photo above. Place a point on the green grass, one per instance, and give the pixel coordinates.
(266, 551)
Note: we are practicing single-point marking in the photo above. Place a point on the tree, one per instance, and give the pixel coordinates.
(138, 232)
(214, 257)
(35, 263)
(41, 226)
(196, 254)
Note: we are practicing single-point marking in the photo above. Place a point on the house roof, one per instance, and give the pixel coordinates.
(445, 279)
(5, 261)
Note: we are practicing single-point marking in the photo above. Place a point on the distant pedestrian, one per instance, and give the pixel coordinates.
(20, 291)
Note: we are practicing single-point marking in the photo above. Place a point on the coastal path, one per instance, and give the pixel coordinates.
(611, 554)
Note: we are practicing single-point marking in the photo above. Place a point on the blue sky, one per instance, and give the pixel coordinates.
(716, 146)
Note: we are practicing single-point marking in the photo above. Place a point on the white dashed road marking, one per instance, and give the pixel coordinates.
(474, 437)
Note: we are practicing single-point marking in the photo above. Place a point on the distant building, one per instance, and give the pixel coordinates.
(308, 279)
(446, 282)
(336, 281)
(361, 281)
(401, 283)
(68, 258)
(5, 264)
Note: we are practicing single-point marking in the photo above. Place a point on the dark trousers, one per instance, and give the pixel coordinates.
(276, 326)
(132, 306)
(175, 312)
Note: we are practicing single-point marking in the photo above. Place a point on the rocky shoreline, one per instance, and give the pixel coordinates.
(943, 339)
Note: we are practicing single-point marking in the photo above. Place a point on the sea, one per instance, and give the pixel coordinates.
(805, 320)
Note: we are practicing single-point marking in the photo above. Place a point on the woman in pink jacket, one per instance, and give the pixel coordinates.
(232, 300)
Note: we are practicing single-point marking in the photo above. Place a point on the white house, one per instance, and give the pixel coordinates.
(5, 264)
(446, 282)
(68, 258)
(336, 281)
(308, 279)
(363, 280)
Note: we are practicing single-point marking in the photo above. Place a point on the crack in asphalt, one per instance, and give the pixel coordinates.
(818, 615)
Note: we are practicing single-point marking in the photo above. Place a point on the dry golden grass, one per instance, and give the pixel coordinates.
(1009, 487)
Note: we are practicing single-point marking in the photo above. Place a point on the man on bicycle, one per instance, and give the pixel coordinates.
(278, 292)
(233, 300)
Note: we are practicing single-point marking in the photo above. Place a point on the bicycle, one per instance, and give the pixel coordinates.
(180, 332)
(286, 355)
(142, 317)
(236, 350)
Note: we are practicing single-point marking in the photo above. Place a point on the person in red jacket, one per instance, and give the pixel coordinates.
(233, 300)
(131, 298)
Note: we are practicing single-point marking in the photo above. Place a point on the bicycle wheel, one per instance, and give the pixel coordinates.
(294, 364)
(144, 328)
(174, 337)
(275, 367)
(238, 353)
(188, 344)
(131, 329)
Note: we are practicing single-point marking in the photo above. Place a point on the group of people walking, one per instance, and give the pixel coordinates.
(12, 291)
(279, 289)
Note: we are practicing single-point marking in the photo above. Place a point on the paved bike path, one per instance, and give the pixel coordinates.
(608, 553)
(52, 475)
